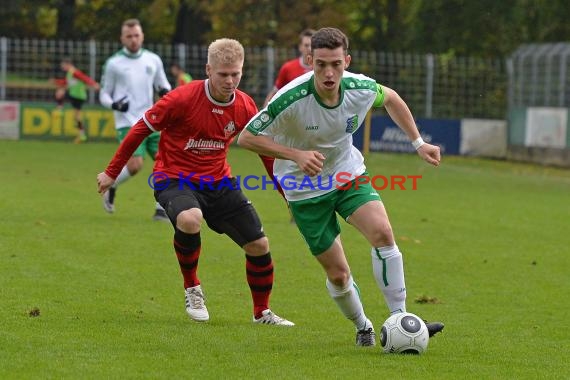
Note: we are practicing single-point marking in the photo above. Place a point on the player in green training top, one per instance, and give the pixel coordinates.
(74, 88)
(180, 75)
(308, 128)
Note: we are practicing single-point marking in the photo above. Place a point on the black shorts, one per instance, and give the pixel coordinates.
(75, 103)
(225, 210)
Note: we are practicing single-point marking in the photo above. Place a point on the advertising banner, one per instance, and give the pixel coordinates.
(546, 127)
(386, 136)
(483, 137)
(9, 120)
(44, 121)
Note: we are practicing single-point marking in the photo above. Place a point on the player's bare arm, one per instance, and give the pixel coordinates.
(402, 116)
(430, 153)
(269, 96)
(311, 162)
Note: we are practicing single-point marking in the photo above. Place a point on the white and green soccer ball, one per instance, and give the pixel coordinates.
(404, 333)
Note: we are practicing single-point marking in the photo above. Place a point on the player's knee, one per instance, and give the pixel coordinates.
(189, 221)
(382, 236)
(135, 165)
(339, 277)
(257, 247)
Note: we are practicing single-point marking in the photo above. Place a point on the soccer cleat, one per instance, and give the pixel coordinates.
(81, 138)
(160, 215)
(434, 327)
(366, 337)
(109, 200)
(270, 318)
(195, 306)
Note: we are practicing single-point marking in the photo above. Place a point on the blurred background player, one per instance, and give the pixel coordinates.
(180, 75)
(73, 87)
(129, 81)
(289, 70)
(196, 140)
(295, 67)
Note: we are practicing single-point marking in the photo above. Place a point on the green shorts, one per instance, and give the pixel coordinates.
(149, 144)
(316, 217)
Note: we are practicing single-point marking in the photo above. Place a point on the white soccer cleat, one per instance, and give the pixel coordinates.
(195, 305)
(109, 200)
(270, 318)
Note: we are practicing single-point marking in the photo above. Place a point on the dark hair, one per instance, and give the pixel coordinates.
(131, 22)
(307, 33)
(329, 38)
(175, 64)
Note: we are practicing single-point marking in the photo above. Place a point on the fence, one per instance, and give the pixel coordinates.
(433, 85)
(539, 76)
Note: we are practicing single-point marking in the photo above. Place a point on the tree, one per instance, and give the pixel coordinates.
(65, 19)
(191, 24)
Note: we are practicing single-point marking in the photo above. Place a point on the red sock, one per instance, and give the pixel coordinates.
(187, 248)
(259, 270)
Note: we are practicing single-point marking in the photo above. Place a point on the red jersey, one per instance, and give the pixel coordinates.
(290, 70)
(196, 133)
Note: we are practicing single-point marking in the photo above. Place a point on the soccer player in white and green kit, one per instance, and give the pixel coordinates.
(129, 82)
(308, 128)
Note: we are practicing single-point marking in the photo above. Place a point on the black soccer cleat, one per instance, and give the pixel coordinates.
(434, 327)
(109, 200)
(160, 215)
(366, 337)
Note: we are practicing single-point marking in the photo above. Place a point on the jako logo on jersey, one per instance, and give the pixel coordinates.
(351, 124)
(218, 111)
(230, 128)
(204, 144)
(311, 127)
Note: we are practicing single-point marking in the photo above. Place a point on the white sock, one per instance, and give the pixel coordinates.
(388, 268)
(122, 177)
(348, 300)
(159, 207)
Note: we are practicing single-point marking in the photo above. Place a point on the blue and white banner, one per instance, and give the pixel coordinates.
(386, 136)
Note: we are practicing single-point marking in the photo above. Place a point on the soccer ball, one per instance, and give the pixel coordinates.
(404, 333)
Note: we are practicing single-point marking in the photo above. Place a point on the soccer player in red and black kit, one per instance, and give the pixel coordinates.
(198, 122)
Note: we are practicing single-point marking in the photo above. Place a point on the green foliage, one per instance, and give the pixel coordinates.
(46, 19)
(91, 295)
(469, 28)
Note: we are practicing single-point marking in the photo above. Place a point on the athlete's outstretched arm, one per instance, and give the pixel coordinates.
(311, 162)
(402, 116)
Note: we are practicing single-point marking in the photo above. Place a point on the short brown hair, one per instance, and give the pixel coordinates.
(307, 33)
(329, 38)
(132, 22)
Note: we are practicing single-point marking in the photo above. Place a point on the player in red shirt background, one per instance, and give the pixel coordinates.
(198, 122)
(290, 70)
(295, 67)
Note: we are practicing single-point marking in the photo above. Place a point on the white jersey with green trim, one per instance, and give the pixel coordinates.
(136, 76)
(297, 118)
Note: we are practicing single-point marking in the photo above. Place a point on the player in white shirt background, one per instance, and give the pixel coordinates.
(130, 79)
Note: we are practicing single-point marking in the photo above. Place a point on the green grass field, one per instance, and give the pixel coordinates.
(89, 295)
